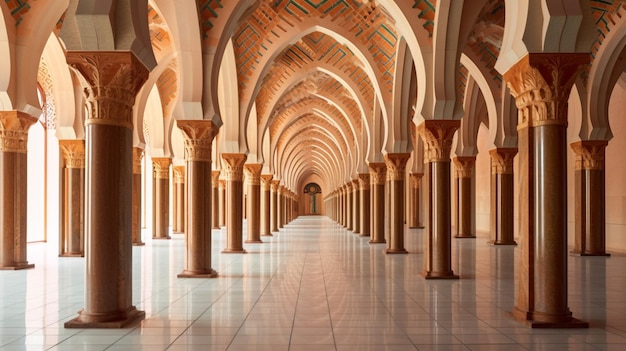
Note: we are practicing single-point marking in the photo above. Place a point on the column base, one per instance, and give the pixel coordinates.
(396, 251)
(580, 253)
(527, 318)
(133, 316)
(270, 234)
(233, 251)
(161, 237)
(419, 226)
(465, 236)
(71, 254)
(139, 244)
(211, 273)
(496, 243)
(253, 242)
(17, 267)
(439, 275)
(372, 241)
(364, 235)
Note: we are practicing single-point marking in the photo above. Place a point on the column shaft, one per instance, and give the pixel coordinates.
(73, 236)
(415, 201)
(465, 206)
(234, 198)
(274, 206)
(266, 199)
(356, 207)
(396, 164)
(502, 196)
(179, 183)
(137, 173)
(378, 175)
(364, 197)
(280, 207)
(215, 201)
(161, 198)
(253, 176)
(222, 202)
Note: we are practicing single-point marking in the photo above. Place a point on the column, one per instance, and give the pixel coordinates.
(179, 198)
(266, 200)
(415, 201)
(215, 199)
(72, 241)
(234, 198)
(502, 196)
(110, 82)
(274, 205)
(349, 212)
(280, 207)
(437, 136)
(396, 165)
(137, 173)
(465, 198)
(590, 219)
(161, 198)
(356, 207)
(199, 136)
(364, 207)
(378, 175)
(253, 175)
(541, 84)
(222, 202)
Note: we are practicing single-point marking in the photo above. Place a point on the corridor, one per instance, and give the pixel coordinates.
(313, 286)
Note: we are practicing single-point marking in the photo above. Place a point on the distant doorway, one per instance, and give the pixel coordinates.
(311, 207)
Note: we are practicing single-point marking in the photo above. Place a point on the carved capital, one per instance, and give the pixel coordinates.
(502, 160)
(161, 167)
(275, 185)
(378, 173)
(221, 184)
(266, 182)
(137, 157)
(463, 166)
(14, 130)
(215, 178)
(396, 165)
(110, 81)
(437, 136)
(73, 153)
(253, 173)
(541, 84)
(234, 166)
(179, 174)
(364, 181)
(416, 178)
(199, 136)
(589, 154)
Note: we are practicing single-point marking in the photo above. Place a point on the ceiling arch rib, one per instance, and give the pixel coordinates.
(313, 159)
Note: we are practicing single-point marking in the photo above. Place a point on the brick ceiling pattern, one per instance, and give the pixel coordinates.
(18, 9)
(208, 11)
(605, 13)
(486, 44)
(426, 13)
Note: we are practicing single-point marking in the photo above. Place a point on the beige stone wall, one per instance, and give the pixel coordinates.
(483, 182)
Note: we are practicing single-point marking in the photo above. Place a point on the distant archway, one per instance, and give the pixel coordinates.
(313, 205)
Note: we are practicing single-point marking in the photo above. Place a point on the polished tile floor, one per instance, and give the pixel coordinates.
(313, 286)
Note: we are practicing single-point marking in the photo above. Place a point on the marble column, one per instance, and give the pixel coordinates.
(280, 207)
(137, 175)
(161, 198)
(110, 82)
(234, 198)
(415, 201)
(356, 207)
(378, 175)
(590, 218)
(541, 84)
(465, 197)
(364, 207)
(199, 135)
(72, 241)
(253, 175)
(179, 199)
(14, 127)
(274, 205)
(266, 200)
(396, 166)
(215, 199)
(502, 196)
(437, 136)
(221, 198)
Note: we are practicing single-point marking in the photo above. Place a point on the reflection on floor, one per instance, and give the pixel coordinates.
(313, 286)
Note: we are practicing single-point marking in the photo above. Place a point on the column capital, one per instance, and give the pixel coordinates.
(137, 157)
(14, 127)
(73, 153)
(464, 165)
(179, 174)
(378, 173)
(541, 84)
(589, 154)
(215, 177)
(199, 136)
(253, 173)
(415, 179)
(234, 166)
(161, 166)
(266, 181)
(396, 165)
(222, 184)
(364, 181)
(502, 160)
(437, 136)
(275, 185)
(110, 81)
